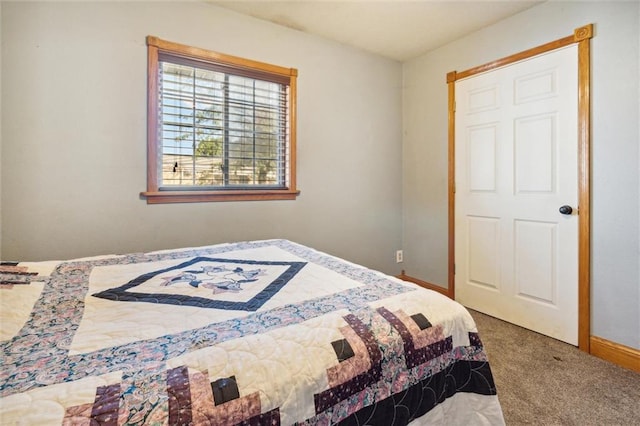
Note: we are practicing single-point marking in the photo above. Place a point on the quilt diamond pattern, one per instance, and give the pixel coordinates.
(215, 276)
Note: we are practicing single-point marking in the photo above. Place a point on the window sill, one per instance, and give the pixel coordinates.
(165, 197)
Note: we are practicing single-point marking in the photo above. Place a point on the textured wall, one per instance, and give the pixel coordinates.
(615, 144)
(74, 146)
(0, 136)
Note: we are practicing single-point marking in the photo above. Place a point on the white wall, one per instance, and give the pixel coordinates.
(0, 137)
(615, 145)
(74, 135)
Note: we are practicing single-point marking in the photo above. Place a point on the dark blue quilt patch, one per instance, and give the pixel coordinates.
(218, 275)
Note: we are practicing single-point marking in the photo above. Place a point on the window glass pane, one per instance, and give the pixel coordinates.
(221, 130)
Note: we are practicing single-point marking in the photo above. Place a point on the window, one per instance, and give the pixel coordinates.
(220, 128)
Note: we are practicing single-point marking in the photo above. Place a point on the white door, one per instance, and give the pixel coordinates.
(516, 164)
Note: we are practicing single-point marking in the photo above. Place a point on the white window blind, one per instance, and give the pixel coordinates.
(220, 129)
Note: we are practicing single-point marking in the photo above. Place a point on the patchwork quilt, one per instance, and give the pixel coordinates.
(251, 333)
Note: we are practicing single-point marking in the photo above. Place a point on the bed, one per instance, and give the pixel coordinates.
(253, 333)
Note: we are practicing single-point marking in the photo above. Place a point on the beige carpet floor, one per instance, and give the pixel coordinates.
(542, 381)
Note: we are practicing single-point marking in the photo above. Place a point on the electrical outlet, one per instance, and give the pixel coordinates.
(399, 256)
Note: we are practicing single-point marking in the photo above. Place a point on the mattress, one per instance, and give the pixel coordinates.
(253, 333)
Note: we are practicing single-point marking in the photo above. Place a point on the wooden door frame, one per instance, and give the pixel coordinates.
(582, 37)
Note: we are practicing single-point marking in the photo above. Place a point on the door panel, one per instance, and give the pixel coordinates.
(516, 164)
(535, 139)
(535, 86)
(481, 146)
(535, 255)
(484, 255)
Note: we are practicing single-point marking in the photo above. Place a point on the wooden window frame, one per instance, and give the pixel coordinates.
(246, 67)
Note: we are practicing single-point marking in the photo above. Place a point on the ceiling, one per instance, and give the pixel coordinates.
(397, 29)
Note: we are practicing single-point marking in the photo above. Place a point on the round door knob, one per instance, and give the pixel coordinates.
(565, 209)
